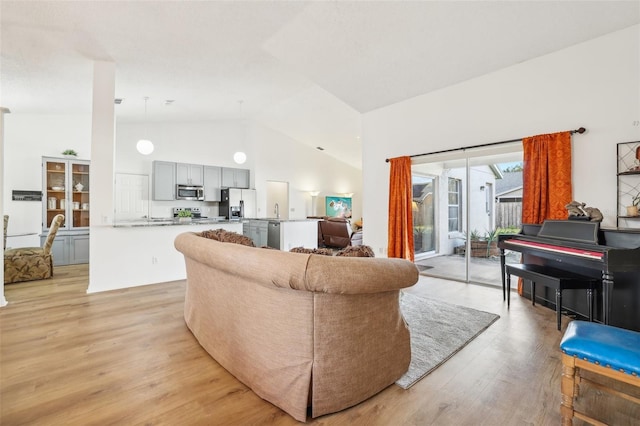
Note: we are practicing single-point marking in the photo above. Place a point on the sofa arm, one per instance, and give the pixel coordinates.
(356, 275)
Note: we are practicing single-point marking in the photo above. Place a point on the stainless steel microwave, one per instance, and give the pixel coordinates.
(190, 192)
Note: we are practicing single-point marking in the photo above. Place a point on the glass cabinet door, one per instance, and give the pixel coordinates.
(56, 187)
(80, 194)
(66, 184)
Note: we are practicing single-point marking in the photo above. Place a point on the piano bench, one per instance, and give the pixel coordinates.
(600, 349)
(557, 279)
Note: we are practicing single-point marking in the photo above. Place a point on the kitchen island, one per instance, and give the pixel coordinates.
(141, 251)
(283, 234)
(132, 223)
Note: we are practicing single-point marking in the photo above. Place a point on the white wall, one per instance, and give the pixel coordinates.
(593, 84)
(27, 139)
(276, 193)
(306, 169)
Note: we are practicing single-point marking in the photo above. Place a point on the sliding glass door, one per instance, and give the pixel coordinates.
(463, 193)
(424, 238)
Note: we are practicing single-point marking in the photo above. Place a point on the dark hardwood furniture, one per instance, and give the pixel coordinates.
(557, 279)
(582, 247)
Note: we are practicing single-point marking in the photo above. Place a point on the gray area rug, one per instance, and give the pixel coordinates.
(438, 330)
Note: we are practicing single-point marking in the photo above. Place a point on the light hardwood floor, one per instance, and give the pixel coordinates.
(126, 357)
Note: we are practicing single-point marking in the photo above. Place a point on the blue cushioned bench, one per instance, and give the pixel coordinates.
(602, 349)
(558, 279)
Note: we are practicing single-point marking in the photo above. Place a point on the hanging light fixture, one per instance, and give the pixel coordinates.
(145, 146)
(239, 156)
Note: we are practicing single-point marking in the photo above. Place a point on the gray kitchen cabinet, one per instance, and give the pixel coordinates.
(69, 248)
(164, 181)
(235, 178)
(246, 229)
(58, 249)
(189, 174)
(212, 181)
(256, 230)
(78, 249)
(260, 232)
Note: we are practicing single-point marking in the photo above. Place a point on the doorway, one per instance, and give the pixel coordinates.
(465, 190)
(424, 230)
(277, 199)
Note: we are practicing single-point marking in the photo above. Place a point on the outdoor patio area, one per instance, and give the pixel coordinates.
(481, 270)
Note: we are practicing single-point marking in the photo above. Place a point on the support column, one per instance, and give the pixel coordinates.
(3, 111)
(102, 161)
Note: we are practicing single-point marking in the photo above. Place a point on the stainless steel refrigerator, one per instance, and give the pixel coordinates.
(238, 203)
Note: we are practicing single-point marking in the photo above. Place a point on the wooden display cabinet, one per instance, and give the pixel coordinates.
(67, 187)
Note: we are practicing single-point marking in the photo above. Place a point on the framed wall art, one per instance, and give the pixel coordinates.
(338, 207)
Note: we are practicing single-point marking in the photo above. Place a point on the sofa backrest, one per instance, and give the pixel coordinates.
(300, 271)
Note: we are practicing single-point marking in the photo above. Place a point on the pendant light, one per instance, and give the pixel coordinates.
(145, 146)
(240, 157)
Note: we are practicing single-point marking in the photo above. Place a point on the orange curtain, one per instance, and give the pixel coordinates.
(400, 211)
(546, 178)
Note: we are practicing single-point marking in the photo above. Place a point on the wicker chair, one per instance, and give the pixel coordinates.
(31, 263)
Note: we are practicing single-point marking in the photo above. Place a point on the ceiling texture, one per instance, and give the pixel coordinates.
(306, 69)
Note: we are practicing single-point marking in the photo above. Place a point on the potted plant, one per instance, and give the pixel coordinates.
(184, 216)
(485, 245)
(478, 244)
(69, 153)
(632, 210)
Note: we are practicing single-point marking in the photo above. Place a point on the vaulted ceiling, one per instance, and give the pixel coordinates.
(306, 69)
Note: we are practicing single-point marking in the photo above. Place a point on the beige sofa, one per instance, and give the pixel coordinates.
(299, 329)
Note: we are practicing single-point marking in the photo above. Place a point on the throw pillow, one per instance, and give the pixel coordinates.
(227, 237)
(320, 251)
(356, 251)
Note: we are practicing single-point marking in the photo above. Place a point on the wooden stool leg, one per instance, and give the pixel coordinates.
(559, 307)
(567, 387)
(508, 290)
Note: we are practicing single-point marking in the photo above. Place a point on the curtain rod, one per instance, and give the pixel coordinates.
(580, 130)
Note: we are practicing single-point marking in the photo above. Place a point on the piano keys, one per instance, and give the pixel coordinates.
(582, 247)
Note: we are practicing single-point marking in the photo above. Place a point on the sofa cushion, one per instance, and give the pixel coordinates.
(356, 251)
(225, 236)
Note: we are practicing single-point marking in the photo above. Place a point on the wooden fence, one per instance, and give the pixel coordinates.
(509, 215)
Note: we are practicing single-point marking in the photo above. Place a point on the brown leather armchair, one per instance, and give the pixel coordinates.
(333, 232)
(31, 263)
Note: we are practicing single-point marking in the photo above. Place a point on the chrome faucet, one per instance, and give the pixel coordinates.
(277, 211)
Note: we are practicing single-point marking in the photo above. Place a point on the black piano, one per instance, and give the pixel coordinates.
(582, 247)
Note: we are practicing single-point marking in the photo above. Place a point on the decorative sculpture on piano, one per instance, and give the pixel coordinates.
(578, 211)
